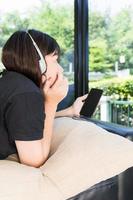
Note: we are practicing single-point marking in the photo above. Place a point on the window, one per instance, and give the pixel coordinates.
(111, 50)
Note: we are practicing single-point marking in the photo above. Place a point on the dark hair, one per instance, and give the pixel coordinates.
(20, 55)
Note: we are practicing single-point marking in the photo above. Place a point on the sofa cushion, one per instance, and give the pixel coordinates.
(21, 182)
(83, 154)
(18, 181)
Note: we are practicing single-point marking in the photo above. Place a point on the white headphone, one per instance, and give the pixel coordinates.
(42, 63)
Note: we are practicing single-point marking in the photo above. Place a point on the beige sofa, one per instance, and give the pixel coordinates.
(78, 149)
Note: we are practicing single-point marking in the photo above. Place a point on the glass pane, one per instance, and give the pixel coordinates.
(111, 60)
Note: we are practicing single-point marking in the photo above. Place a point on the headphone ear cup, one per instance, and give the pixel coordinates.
(42, 66)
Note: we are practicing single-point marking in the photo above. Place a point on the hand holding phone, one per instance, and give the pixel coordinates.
(91, 102)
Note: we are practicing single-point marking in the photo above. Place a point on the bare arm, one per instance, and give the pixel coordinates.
(68, 112)
(50, 111)
(35, 153)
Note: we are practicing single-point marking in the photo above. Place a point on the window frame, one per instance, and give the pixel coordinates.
(81, 47)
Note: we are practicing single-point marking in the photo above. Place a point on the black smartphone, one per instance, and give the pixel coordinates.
(91, 102)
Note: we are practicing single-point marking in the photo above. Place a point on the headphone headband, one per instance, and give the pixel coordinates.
(42, 63)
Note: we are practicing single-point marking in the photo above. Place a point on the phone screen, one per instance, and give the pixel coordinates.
(91, 102)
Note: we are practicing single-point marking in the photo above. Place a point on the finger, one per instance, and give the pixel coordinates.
(65, 80)
(43, 79)
(64, 84)
(47, 84)
(84, 97)
(59, 80)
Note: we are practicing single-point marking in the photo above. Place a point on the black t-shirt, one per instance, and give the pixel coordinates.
(21, 111)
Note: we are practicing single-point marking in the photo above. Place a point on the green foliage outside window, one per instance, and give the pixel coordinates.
(117, 88)
(109, 37)
(58, 22)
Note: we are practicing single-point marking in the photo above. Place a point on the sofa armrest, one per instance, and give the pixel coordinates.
(114, 128)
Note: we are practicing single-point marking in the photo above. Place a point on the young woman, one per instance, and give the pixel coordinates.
(30, 91)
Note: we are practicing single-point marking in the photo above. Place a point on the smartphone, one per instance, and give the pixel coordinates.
(91, 102)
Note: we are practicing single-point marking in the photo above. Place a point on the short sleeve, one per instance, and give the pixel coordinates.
(25, 117)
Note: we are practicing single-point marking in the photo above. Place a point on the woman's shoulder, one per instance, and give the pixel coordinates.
(17, 83)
